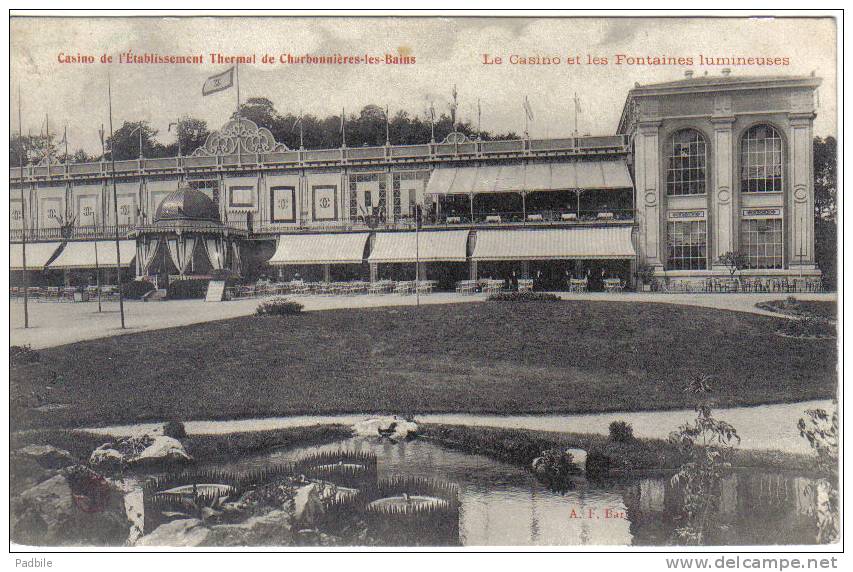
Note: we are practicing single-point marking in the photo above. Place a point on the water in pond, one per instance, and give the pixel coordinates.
(502, 504)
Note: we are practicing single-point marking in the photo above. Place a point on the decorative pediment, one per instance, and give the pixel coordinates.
(455, 137)
(240, 135)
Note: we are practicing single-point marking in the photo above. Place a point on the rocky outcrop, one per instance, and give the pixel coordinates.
(76, 507)
(271, 529)
(147, 450)
(307, 506)
(183, 532)
(392, 427)
(46, 456)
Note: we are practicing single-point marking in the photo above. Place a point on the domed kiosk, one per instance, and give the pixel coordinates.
(187, 238)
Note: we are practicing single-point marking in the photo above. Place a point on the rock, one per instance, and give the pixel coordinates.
(271, 529)
(158, 449)
(578, 457)
(307, 506)
(162, 449)
(105, 457)
(183, 532)
(392, 427)
(75, 508)
(47, 456)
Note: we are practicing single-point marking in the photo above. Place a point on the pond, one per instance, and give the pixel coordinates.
(505, 505)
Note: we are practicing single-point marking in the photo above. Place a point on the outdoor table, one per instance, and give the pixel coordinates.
(569, 216)
(525, 285)
(605, 216)
(493, 218)
(534, 217)
(577, 285)
(613, 285)
(454, 220)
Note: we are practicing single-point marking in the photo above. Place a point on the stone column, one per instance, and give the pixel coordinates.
(648, 189)
(800, 200)
(421, 269)
(374, 271)
(472, 270)
(722, 234)
(525, 269)
(327, 273)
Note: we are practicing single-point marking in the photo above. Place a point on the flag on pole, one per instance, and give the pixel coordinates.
(343, 113)
(578, 104)
(218, 82)
(527, 109)
(297, 122)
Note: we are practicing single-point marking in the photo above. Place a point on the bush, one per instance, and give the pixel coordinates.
(598, 465)
(621, 432)
(526, 296)
(175, 430)
(136, 289)
(187, 289)
(278, 307)
(807, 327)
(23, 354)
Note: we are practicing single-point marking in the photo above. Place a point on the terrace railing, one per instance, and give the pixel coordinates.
(70, 233)
(325, 157)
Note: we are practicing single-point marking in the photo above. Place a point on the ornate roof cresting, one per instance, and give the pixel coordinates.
(240, 135)
(456, 137)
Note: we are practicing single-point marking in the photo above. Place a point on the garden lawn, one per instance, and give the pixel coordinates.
(490, 357)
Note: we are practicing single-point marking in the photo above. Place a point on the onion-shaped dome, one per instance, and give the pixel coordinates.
(186, 204)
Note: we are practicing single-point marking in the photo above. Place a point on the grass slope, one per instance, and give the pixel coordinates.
(573, 356)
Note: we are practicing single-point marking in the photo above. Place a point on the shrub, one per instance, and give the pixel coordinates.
(136, 289)
(23, 354)
(187, 289)
(278, 307)
(621, 432)
(175, 430)
(807, 327)
(598, 465)
(556, 467)
(526, 296)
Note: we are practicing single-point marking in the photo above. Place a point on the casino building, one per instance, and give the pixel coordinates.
(697, 167)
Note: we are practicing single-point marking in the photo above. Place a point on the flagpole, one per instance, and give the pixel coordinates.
(417, 263)
(343, 128)
(115, 201)
(387, 128)
(23, 217)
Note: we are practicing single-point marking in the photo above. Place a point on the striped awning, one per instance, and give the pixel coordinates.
(550, 244)
(320, 249)
(606, 174)
(435, 246)
(82, 254)
(38, 255)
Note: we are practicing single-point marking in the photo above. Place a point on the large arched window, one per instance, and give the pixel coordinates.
(685, 173)
(761, 160)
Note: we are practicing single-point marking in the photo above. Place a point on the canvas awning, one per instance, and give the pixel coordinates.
(320, 249)
(82, 254)
(589, 175)
(444, 246)
(550, 244)
(38, 255)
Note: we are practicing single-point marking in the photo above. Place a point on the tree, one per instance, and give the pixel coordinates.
(825, 194)
(32, 147)
(190, 134)
(822, 433)
(734, 261)
(706, 445)
(125, 142)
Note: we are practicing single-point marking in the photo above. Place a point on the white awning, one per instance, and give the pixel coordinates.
(38, 254)
(320, 249)
(82, 254)
(434, 246)
(606, 174)
(549, 244)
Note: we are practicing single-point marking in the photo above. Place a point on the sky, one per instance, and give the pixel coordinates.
(447, 52)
